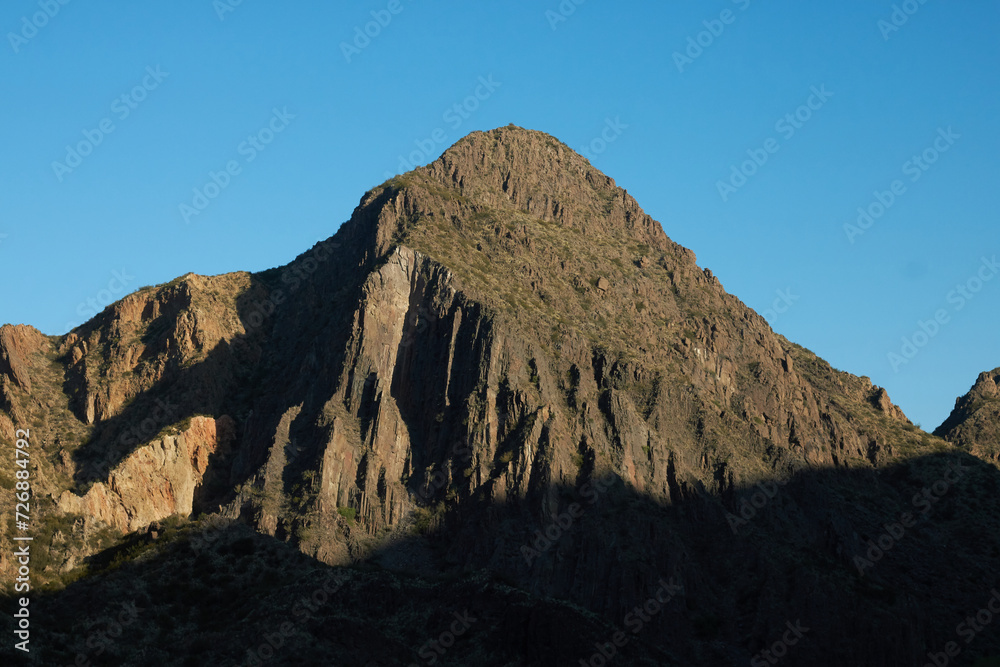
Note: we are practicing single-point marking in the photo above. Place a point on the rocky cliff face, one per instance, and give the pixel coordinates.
(156, 481)
(974, 424)
(501, 364)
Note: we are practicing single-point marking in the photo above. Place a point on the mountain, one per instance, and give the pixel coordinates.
(498, 390)
(974, 424)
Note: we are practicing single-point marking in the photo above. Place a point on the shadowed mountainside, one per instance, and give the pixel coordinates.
(487, 340)
(208, 591)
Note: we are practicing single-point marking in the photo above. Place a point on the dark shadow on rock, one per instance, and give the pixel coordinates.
(299, 312)
(831, 549)
(685, 583)
(230, 596)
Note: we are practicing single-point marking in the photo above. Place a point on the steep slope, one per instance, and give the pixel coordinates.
(974, 424)
(500, 364)
(217, 594)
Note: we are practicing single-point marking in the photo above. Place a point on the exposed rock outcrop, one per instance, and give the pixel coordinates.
(974, 424)
(17, 344)
(156, 481)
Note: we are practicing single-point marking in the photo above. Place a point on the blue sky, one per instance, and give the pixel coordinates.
(829, 106)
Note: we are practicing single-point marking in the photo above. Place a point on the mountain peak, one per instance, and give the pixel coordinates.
(506, 135)
(515, 148)
(505, 176)
(518, 171)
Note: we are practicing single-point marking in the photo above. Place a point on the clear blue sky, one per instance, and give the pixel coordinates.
(218, 81)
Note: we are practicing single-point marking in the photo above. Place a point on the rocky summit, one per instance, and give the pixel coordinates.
(499, 418)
